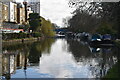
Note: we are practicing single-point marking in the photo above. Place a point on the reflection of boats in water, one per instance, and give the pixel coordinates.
(60, 35)
(95, 50)
(98, 40)
(100, 49)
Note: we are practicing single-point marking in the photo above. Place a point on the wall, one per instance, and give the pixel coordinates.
(35, 5)
(5, 12)
(0, 14)
(22, 15)
(11, 12)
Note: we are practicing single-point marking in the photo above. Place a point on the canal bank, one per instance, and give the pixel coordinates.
(114, 72)
(23, 39)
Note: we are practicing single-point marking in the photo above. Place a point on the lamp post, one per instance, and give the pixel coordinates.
(25, 5)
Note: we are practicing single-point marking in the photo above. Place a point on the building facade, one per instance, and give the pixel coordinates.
(11, 61)
(35, 5)
(12, 15)
(15, 12)
(29, 11)
(0, 14)
(20, 13)
(4, 12)
(12, 11)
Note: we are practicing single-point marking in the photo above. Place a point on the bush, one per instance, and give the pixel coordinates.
(106, 28)
(36, 34)
(7, 36)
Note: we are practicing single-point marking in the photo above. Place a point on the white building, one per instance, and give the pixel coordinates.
(35, 5)
(12, 11)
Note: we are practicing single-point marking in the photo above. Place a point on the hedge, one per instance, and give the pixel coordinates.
(7, 36)
(36, 34)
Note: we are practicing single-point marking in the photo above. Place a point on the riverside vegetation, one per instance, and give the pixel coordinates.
(40, 28)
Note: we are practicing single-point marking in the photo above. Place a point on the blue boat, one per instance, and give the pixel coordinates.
(107, 40)
(96, 39)
(101, 40)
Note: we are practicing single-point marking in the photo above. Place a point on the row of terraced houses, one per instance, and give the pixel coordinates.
(13, 14)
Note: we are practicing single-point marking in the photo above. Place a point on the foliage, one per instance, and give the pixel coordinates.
(40, 25)
(111, 13)
(14, 35)
(106, 28)
(37, 48)
(55, 26)
(26, 26)
(85, 17)
(65, 21)
(34, 22)
(16, 46)
(82, 22)
(47, 27)
(108, 12)
(93, 8)
(34, 54)
(36, 34)
(78, 50)
(113, 72)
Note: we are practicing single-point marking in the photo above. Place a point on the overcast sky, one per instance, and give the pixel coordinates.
(54, 10)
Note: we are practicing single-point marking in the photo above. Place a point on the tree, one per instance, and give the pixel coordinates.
(106, 28)
(107, 12)
(34, 21)
(85, 16)
(92, 8)
(25, 26)
(47, 27)
(55, 25)
(82, 22)
(111, 13)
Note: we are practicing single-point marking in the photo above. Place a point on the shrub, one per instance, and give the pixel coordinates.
(36, 34)
(106, 28)
(7, 36)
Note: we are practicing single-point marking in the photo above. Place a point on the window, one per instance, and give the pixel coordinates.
(5, 8)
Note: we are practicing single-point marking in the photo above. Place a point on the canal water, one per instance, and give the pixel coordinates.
(56, 58)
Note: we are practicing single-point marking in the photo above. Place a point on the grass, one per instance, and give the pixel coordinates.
(114, 72)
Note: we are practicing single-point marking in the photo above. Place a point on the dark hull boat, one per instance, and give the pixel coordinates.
(98, 41)
(102, 43)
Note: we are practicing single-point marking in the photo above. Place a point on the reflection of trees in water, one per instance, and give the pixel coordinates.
(105, 62)
(78, 50)
(22, 53)
(38, 48)
(99, 63)
(34, 53)
(16, 46)
(31, 50)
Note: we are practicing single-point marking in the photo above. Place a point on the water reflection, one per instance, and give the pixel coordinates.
(58, 58)
(99, 60)
(20, 56)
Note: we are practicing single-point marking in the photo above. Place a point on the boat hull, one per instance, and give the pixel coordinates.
(101, 43)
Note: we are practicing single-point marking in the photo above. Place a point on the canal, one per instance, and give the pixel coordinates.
(56, 58)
